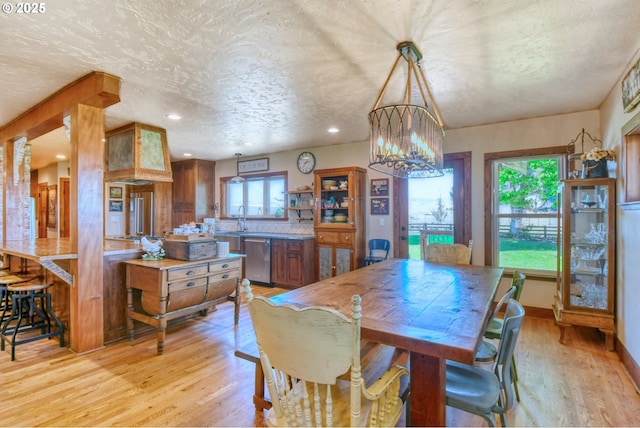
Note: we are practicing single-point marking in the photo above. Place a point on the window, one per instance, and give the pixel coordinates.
(262, 196)
(522, 222)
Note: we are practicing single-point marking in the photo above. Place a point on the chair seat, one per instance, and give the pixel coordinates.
(494, 329)
(471, 388)
(487, 352)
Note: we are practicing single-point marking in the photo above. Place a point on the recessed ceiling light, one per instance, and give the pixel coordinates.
(187, 155)
(333, 130)
(61, 156)
(248, 143)
(173, 116)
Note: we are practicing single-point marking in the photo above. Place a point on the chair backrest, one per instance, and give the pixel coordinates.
(303, 352)
(503, 301)
(448, 253)
(518, 282)
(379, 247)
(513, 317)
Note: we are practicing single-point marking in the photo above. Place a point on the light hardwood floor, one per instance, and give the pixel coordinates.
(199, 382)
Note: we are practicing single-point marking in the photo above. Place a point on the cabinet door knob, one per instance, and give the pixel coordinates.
(191, 284)
(225, 276)
(191, 273)
(226, 265)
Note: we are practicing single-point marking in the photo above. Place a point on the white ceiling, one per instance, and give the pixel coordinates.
(277, 73)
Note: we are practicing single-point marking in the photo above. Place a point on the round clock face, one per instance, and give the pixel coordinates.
(306, 162)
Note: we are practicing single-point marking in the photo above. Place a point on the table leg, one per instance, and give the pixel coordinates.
(236, 303)
(162, 328)
(428, 390)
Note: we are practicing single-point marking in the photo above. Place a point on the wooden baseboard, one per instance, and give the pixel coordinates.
(545, 313)
(633, 369)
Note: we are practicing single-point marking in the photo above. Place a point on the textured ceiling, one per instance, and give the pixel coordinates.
(277, 73)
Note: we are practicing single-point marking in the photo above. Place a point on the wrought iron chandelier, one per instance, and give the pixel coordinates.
(406, 139)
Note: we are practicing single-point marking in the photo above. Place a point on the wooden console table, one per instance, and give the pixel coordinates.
(162, 290)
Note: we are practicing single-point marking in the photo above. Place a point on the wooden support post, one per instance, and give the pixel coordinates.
(86, 224)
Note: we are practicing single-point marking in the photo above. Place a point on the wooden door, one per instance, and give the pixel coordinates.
(43, 197)
(64, 207)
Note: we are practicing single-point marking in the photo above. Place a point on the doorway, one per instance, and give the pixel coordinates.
(43, 198)
(444, 209)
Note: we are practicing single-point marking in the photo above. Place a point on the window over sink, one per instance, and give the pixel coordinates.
(258, 196)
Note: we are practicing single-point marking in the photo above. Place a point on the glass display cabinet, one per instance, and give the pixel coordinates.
(586, 256)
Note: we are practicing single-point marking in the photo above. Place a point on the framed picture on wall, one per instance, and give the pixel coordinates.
(379, 187)
(631, 88)
(115, 206)
(52, 206)
(115, 192)
(379, 206)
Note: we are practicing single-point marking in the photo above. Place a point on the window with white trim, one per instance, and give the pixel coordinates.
(524, 213)
(257, 196)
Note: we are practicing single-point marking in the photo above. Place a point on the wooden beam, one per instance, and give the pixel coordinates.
(96, 89)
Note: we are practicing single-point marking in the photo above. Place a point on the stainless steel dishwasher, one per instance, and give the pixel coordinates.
(258, 261)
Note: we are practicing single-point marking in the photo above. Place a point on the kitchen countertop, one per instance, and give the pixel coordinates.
(250, 234)
(113, 247)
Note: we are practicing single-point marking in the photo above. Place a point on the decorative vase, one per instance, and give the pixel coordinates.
(595, 169)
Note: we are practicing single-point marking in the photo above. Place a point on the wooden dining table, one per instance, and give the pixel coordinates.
(436, 312)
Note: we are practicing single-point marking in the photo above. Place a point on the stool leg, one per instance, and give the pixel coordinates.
(49, 310)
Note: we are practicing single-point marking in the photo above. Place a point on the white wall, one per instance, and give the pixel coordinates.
(627, 231)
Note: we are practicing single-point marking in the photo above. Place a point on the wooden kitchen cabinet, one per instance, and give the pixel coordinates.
(291, 261)
(193, 190)
(162, 290)
(339, 220)
(586, 256)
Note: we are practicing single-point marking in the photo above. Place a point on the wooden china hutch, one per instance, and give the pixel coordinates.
(339, 220)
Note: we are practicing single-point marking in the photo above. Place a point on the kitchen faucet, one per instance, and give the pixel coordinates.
(242, 221)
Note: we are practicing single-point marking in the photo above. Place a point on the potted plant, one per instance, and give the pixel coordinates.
(594, 162)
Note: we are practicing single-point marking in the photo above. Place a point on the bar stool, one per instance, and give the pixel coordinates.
(5, 295)
(24, 301)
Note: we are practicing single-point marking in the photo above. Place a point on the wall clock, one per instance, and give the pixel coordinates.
(306, 162)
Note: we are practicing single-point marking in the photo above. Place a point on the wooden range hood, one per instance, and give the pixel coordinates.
(137, 153)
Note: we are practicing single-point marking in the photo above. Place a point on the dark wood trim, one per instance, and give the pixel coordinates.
(488, 175)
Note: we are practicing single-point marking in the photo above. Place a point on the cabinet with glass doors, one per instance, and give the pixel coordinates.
(586, 256)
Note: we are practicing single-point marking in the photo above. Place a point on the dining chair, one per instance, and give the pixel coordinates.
(447, 253)
(480, 391)
(378, 251)
(305, 353)
(488, 351)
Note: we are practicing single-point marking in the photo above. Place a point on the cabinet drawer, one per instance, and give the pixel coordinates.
(294, 246)
(340, 238)
(190, 283)
(223, 266)
(186, 273)
(234, 274)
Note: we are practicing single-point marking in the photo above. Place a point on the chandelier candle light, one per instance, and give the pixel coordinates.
(406, 139)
